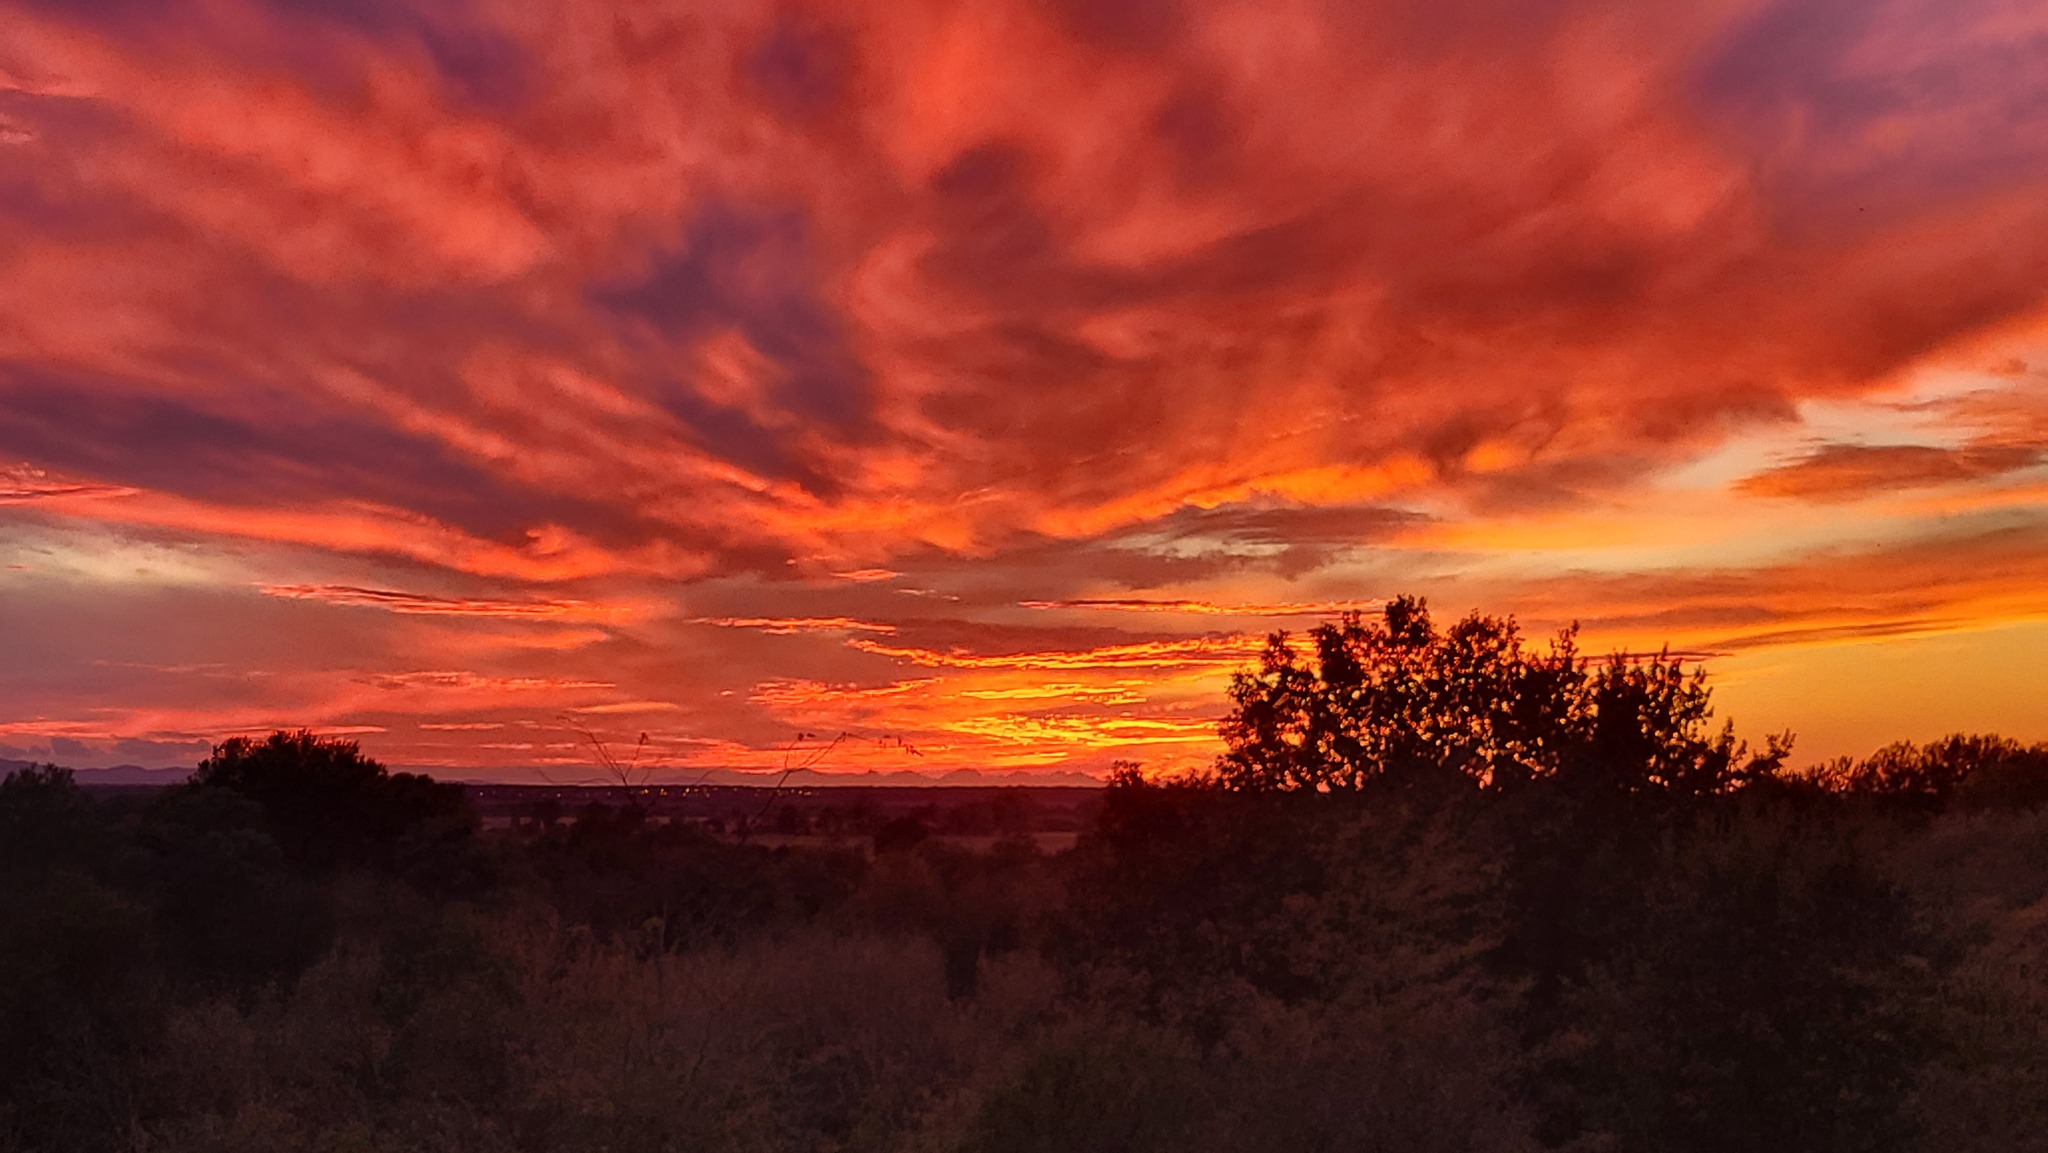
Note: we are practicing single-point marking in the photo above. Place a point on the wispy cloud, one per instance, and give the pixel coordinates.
(22, 485)
(1189, 607)
(1852, 471)
(786, 626)
(1197, 651)
(455, 679)
(392, 600)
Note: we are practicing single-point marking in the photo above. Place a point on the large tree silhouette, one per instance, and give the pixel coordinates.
(326, 802)
(1394, 699)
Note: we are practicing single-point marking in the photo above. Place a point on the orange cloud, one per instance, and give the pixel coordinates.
(785, 626)
(23, 485)
(1850, 471)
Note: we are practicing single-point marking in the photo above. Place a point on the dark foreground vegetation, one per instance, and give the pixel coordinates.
(1442, 894)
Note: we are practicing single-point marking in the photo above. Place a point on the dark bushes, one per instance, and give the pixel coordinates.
(329, 806)
(1973, 771)
(1417, 961)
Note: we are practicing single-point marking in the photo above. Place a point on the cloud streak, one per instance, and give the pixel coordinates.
(1849, 471)
(392, 600)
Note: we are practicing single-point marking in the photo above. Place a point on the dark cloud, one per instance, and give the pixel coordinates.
(1845, 139)
(752, 271)
(274, 449)
(400, 601)
(994, 237)
(485, 66)
(1130, 25)
(804, 69)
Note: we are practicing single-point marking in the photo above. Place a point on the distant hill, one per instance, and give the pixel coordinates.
(117, 775)
(132, 775)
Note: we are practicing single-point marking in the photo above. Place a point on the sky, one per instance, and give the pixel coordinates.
(476, 378)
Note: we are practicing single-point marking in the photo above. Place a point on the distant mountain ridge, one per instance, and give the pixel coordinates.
(115, 775)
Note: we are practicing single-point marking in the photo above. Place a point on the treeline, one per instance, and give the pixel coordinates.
(1648, 938)
(1395, 702)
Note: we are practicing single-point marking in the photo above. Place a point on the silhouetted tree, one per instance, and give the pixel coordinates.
(330, 805)
(1650, 729)
(1396, 700)
(1979, 771)
(2003, 773)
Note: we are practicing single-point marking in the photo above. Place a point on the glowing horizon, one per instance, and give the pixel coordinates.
(994, 377)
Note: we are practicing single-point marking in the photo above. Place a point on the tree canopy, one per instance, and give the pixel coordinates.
(1396, 699)
(327, 803)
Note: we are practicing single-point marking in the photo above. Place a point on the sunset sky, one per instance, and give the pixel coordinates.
(462, 374)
